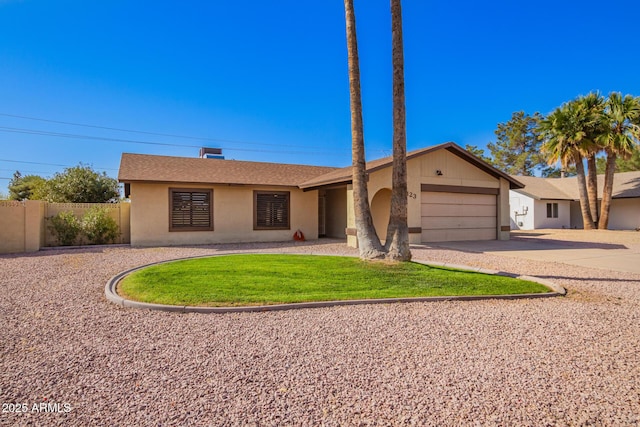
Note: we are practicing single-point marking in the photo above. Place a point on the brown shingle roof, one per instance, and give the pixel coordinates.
(344, 175)
(151, 168)
(544, 188)
(625, 185)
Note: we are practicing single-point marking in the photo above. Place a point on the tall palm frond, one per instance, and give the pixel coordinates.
(622, 118)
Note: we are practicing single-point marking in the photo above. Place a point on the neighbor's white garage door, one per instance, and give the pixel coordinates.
(458, 216)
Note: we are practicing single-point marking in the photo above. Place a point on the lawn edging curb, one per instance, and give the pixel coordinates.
(111, 294)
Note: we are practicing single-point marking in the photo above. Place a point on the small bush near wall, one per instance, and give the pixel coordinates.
(99, 227)
(66, 227)
(96, 225)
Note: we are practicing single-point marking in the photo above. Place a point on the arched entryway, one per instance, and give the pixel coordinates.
(380, 210)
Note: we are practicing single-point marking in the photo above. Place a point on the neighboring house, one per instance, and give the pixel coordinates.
(555, 203)
(453, 195)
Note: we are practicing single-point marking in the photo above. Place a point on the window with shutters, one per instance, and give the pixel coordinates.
(271, 210)
(190, 210)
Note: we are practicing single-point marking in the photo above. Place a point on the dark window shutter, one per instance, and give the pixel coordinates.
(271, 210)
(191, 210)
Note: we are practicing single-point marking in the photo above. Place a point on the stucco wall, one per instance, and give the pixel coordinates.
(381, 210)
(533, 213)
(380, 181)
(575, 217)
(624, 214)
(336, 212)
(455, 171)
(504, 221)
(564, 215)
(232, 216)
(352, 240)
(521, 209)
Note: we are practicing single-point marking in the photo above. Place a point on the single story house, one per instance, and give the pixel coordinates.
(555, 202)
(453, 195)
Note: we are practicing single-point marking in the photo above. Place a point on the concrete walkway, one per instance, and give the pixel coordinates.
(607, 256)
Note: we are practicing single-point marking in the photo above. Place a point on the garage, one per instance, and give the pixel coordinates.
(451, 196)
(455, 216)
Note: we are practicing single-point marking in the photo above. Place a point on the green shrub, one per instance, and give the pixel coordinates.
(66, 227)
(99, 227)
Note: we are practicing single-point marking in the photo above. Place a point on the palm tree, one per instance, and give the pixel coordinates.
(622, 116)
(592, 185)
(397, 242)
(564, 133)
(592, 106)
(368, 241)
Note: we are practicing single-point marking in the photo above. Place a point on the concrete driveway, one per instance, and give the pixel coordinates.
(609, 250)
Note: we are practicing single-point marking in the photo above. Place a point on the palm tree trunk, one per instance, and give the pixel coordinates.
(607, 192)
(587, 219)
(397, 242)
(592, 186)
(368, 242)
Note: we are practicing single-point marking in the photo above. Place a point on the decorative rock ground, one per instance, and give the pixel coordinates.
(571, 360)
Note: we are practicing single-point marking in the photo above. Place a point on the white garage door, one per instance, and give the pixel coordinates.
(458, 216)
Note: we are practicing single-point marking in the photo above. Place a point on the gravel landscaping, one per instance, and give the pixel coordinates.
(560, 361)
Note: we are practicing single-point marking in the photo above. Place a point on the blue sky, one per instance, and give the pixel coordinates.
(268, 81)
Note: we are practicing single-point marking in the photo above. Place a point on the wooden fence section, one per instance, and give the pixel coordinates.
(118, 211)
(23, 225)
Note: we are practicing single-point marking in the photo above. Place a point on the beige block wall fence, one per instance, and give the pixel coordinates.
(23, 225)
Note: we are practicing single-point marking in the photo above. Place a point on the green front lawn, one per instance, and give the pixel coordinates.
(274, 279)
